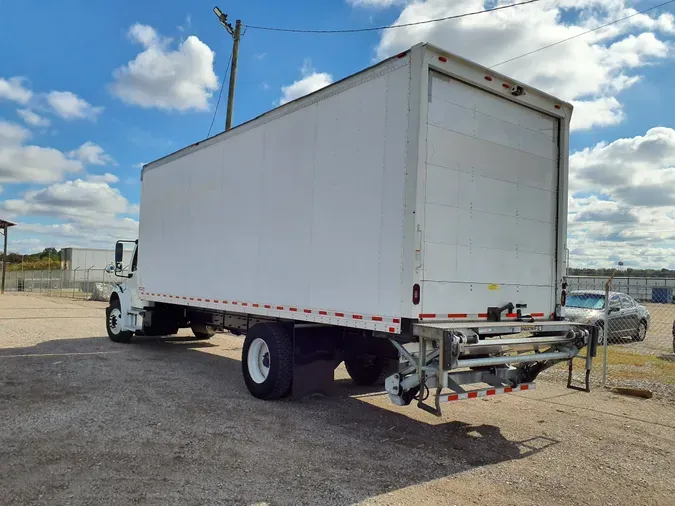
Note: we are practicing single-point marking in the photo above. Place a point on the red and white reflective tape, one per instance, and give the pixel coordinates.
(486, 392)
(390, 325)
(470, 317)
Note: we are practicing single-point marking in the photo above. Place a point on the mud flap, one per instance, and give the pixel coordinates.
(315, 357)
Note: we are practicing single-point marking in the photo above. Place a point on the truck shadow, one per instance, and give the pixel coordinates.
(344, 447)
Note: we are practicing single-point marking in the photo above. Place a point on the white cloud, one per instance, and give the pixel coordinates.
(260, 56)
(12, 134)
(310, 82)
(590, 69)
(622, 202)
(103, 178)
(603, 111)
(32, 164)
(76, 199)
(92, 154)
(138, 165)
(69, 106)
(182, 79)
(32, 118)
(13, 89)
(88, 213)
(187, 25)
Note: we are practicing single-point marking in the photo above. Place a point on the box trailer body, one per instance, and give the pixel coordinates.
(422, 198)
(417, 171)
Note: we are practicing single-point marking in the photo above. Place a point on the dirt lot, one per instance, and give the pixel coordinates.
(87, 421)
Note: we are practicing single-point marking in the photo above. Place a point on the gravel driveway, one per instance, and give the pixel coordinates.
(88, 421)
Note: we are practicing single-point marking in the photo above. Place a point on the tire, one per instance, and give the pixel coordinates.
(601, 333)
(365, 370)
(267, 361)
(113, 316)
(202, 331)
(641, 332)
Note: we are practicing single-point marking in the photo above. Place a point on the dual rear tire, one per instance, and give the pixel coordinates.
(267, 363)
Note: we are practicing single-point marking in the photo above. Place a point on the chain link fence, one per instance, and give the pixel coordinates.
(95, 284)
(636, 318)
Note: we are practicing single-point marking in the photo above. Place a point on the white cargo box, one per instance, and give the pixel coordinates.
(425, 169)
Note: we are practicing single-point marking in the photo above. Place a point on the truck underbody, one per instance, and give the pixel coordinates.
(286, 357)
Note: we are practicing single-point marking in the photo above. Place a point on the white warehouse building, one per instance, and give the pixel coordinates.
(86, 258)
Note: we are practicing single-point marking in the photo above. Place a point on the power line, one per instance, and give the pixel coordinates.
(220, 94)
(389, 27)
(583, 33)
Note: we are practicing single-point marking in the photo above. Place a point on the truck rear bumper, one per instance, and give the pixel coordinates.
(453, 354)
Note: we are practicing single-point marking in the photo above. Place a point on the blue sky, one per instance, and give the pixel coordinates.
(102, 87)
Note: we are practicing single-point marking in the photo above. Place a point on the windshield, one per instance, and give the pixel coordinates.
(586, 301)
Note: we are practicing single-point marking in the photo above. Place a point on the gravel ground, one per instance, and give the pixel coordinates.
(88, 421)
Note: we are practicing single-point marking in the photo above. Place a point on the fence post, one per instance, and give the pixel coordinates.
(42, 276)
(605, 339)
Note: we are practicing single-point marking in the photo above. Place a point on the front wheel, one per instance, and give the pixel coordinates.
(267, 361)
(113, 323)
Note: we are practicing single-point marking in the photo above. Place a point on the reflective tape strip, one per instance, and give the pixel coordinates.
(372, 322)
(486, 392)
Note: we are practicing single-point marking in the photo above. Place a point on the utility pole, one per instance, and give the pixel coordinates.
(236, 36)
(4, 226)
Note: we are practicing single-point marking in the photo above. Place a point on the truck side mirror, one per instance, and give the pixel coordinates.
(119, 254)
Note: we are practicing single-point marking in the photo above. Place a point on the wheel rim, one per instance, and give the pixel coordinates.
(642, 332)
(258, 360)
(115, 321)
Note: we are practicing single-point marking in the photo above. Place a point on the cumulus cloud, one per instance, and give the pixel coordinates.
(72, 199)
(27, 163)
(604, 111)
(171, 79)
(13, 89)
(103, 178)
(88, 212)
(310, 82)
(92, 154)
(69, 106)
(622, 201)
(32, 118)
(12, 134)
(24, 163)
(589, 70)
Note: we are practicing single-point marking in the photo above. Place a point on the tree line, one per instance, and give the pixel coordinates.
(49, 257)
(629, 272)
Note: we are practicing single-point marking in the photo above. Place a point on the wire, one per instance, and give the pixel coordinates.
(389, 27)
(582, 33)
(220, 94)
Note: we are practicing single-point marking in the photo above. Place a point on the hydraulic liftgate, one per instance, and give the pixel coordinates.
(452, 354)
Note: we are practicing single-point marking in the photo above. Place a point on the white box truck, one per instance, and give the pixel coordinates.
(409, 219)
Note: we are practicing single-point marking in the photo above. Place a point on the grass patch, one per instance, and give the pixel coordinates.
(628, 365)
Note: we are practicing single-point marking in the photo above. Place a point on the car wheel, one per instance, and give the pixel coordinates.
(641, 331)
(601, 333)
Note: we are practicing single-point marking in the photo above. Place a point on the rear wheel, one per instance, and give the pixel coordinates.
(267, 361)
(113, 323)
(641, 332)
(365, 370)
(203, 331)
